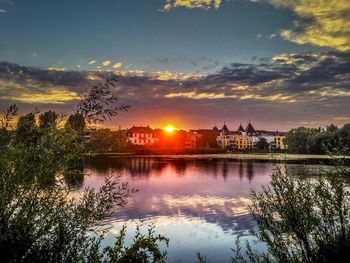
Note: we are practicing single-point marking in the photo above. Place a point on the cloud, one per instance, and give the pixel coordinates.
(342, 118)
(39, 86)
(29, 91)
(190, 4)
(290, 87)
(106, 62)
(56, 68)
(92, 62)
(197, 96)
(321, 23)
(117, 65)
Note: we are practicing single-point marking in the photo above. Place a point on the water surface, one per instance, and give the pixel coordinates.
(200, 205)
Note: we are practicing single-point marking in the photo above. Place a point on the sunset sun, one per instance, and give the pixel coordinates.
(169, 128)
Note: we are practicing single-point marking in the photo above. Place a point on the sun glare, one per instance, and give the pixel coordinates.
(169, 128)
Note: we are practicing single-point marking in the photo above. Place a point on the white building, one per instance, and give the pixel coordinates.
(237, 140)
(142, 135)
(274, 139)
(248, 138)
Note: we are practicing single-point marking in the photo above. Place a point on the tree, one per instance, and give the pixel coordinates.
(105, 140)
(27, 131)
(100, 104)
(331, 129)
(207, 140)
(317, 141)
(76, 122)
(48, 119)
(6, 127)
(343, 134)
(296, 139)
(262, 144)
(119, 140)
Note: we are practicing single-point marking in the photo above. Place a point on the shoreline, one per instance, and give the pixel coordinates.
(254, 156)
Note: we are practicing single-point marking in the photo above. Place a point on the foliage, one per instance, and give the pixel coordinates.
(100, 103)
(302, 219)
(6, 125)
(76, 123)
(262, 144)
(26, 131)
(297, 139)
(144, 248)
(41, 218)
(317, 141)
(48, 119)
(207, 140)
(105, 140)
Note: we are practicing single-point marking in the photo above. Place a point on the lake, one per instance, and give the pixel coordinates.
(200, 205)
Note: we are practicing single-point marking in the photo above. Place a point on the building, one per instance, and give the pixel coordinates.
(234, 140)
(240, 128)
(244, 139)
(249, 130)
(280, 141)
(274, 139)
(139, 135)
(243, 142)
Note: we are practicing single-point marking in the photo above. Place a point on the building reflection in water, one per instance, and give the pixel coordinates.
(207, 200)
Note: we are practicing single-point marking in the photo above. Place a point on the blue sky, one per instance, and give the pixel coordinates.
(140, 34)
(178, 41)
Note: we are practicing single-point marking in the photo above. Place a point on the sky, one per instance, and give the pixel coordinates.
(193, 63)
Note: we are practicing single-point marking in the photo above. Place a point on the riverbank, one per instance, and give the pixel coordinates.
(255, 156)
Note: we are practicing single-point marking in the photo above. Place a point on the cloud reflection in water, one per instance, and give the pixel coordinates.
(199, 204)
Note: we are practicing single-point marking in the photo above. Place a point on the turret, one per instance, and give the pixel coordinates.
(250, 129)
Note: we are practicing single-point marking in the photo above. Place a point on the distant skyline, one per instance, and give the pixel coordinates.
(192, 63)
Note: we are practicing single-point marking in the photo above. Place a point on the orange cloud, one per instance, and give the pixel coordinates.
(32, 91)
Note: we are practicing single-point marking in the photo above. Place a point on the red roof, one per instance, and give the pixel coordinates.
(140, 129)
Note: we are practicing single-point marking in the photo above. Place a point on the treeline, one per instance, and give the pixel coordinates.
(317, 140)
(106, 140)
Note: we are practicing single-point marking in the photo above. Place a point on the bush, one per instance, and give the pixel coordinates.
(302, 219)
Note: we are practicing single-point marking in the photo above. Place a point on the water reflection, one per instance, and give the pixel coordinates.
(144, 167)
(199, 204)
